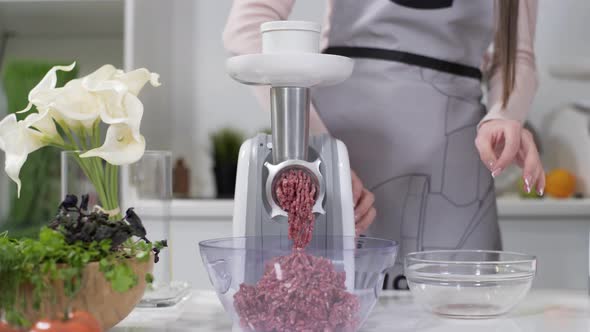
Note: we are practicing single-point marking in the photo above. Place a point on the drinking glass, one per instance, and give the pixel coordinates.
(147, 187)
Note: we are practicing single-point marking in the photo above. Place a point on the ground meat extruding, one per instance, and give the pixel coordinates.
(296, 192)
(298, 292)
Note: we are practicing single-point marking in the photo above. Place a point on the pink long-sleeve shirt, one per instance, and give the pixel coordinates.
(242, 36)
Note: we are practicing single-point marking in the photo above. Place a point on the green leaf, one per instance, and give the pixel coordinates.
(103, 264)
(105, 245)
(51, 238)
(142, 255)
(161, 244)
(149, 278)
(122, 278)
(85, 257)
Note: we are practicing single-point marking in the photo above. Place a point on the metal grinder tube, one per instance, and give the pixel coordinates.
(289, 123)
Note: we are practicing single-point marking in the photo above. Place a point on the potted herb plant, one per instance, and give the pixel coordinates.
(226, 148)
(92, 259)
(83, 261)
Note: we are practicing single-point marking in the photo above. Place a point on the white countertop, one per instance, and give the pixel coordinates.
(541, 311)
(515, 207)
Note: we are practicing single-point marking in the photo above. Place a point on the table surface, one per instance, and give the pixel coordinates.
(541, 311)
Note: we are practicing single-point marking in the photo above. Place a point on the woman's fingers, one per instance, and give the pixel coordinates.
(532, 168)
(365, 204)
(483, 143)
(366, 221)
(511, 137)
(357, 188)
(498, 142)
(540, 184)
(364, 212)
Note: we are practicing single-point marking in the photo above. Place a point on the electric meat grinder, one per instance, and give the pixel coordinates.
(290, 63)
(259, 260)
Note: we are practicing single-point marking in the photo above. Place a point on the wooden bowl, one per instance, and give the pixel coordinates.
(96, 296)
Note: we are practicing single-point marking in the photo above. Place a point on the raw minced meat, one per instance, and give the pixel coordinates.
(298, 292)
(295, 192)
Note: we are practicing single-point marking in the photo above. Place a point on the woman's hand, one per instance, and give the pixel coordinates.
(502, 142)
(364, 212)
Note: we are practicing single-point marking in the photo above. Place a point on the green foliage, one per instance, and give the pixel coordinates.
(39, 194)
(226, 146)
(35, 262)
(61, 253)
(121, 276)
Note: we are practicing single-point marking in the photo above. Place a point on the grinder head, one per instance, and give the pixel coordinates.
(274, 174)
(290, 63)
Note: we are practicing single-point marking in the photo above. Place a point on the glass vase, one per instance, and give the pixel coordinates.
(147, 187)
(93, 177)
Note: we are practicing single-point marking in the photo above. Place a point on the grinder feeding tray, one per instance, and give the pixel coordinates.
(290, 63)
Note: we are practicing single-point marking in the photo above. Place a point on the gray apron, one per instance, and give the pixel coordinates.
(410, 127)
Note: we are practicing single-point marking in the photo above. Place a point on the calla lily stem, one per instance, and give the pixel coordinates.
(103, 175)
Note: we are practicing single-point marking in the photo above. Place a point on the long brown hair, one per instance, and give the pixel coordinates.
(505, 45)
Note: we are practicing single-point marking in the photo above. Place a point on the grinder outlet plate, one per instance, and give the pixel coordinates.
(274, 171)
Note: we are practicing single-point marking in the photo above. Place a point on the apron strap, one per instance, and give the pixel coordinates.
(407, 58)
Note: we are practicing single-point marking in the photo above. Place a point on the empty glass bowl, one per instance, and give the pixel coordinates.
(469, 283)
(265, 285)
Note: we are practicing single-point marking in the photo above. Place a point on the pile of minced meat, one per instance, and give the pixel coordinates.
(298, 292)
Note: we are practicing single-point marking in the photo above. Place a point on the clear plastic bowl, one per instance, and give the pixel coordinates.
(469, 284)
(233, 262)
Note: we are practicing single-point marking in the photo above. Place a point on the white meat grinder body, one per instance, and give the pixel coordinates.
(290, 63)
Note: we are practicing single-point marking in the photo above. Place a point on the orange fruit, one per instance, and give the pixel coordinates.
(560, 183)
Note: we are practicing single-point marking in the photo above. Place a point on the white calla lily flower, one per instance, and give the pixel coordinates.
(136, 79)
(44, 126)
(118, 90)
(129, 112)
(120, 146)
(108, 77)
(42, 92)
(76, 106)
(104, 73)
(17, 141)
(76, 111)
(107, 93)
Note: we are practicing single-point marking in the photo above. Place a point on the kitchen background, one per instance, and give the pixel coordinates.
(202, 115)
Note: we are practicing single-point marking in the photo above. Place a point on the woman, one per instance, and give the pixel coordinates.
(411, 111)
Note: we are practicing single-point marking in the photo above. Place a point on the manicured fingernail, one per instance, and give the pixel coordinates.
(491, 165)
(541, 191)
(527, 184)
(356, 217)
(496, 172)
